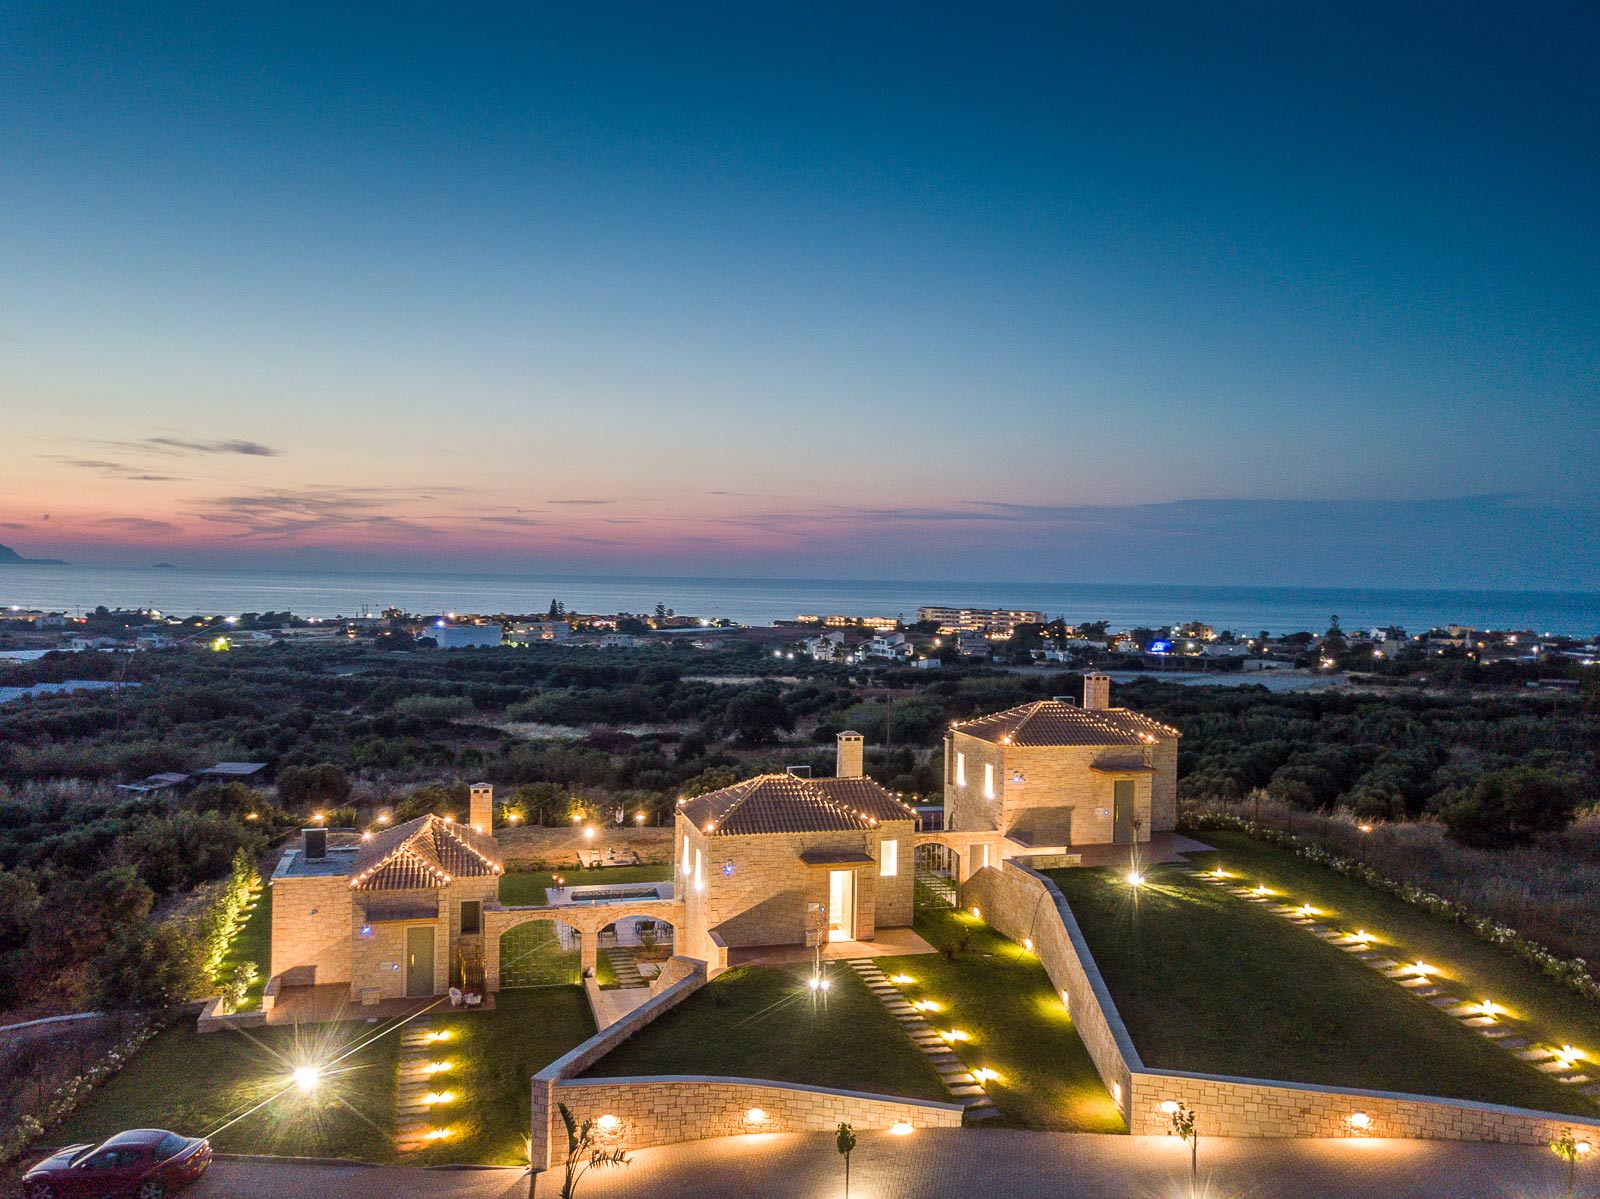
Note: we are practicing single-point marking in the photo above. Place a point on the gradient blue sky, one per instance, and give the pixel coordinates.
(1266, 294)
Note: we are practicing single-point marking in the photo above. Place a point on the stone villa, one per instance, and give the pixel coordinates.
(776, 860)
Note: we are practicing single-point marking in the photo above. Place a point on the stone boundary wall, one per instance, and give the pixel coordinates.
(1026, 906)
(668, 1109)
(541, 1149)
(29, 1031)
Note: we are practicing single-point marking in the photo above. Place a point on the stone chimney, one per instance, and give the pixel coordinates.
(480, 811)
(851, 753)
(1096, 692)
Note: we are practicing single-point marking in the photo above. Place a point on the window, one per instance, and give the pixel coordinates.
(988, 780)
(961, 770)
(683, 865)
(888, 859)
(471, 917)
(986, 855)
(699, 874)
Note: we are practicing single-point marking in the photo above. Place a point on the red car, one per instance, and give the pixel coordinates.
(146, 1163)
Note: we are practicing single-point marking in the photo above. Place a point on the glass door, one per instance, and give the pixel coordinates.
(841, 905)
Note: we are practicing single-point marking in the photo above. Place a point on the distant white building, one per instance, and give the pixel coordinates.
(829, 647)
(465, 636)
(892, 646)
(525, 632)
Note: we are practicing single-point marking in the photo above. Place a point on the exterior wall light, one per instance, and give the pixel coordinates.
(608, 1123)
(1169, 1107)
(1360, 1121)
(755, 1116)
(901, 1128)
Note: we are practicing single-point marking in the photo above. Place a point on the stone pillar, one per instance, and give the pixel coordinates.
(480, 811)
(588, 949)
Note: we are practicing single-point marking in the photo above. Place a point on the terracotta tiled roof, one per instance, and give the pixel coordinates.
(1056, 722)
(783, 803)
(425, 852)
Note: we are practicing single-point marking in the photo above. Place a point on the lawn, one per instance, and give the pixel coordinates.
(999, 994)
(528, 886)
(196, 1084)
(253, 943)
(1209, 982)
(763, 1022)
(493, 1055)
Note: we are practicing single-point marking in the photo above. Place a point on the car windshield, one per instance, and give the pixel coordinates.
(171, 1145)
(81, 1154)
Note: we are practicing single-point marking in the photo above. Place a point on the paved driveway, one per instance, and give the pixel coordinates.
(954, 1164)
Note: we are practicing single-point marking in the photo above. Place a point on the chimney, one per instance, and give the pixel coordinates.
(1096, 692)
(480, 811)
(800, 772)
(315, 843)
(850, 756)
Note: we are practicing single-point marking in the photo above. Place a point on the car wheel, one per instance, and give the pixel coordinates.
(152, 1188)
(38, 1190)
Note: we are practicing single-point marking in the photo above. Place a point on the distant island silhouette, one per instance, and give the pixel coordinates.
(163, 566)
(10, 557)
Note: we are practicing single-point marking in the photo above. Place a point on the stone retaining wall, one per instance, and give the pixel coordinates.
(665, 1110)
(1026, 906)
(542, 1149)
(1247, 1107)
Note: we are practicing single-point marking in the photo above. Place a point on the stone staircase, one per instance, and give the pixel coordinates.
(935, 890)
(624, 967)
(964, 1088)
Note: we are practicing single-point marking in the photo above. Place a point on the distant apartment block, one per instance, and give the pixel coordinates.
(527, 632)
(999, 621)
(887, 623)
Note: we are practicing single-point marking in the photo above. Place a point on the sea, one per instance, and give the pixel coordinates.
(1243, 610)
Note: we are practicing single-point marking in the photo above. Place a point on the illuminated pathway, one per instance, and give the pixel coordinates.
(957, 1163)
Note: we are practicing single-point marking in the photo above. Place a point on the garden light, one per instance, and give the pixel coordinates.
(307, 1077)
(1135, 878)
(436, 1067)
(976, 913)
(901, 980)
(1361, 935)
(1307, 910)
(755, 1116)
(901, 1128)
(438, 1134)
(1488, 1008)
(608, 1123)
(433, 1097)
(1360, 1121)
(1027, 943)
(1169, 1107)
(1261, 889)
(1584, 1148)
(1422, 969)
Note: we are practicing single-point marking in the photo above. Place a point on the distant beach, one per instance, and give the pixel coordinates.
(761, 601)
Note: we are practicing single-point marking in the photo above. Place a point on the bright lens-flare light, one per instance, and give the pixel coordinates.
(307, 1077)
(1135, 879)
(901, 1129)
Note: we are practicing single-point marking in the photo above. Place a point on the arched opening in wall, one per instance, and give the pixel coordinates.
(633, 950)
(540, 953)
(938, 869)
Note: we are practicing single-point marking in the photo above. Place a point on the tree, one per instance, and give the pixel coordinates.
(1569, 1149)
(148, 966)
(324, 785)
(845, 1141)
(1183, 1128)
(1512, 807)
(758, 714)
(584, 1153)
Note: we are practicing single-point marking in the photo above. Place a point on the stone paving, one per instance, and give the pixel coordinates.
(1413, 977)
(939, 1164)
(964, 1087)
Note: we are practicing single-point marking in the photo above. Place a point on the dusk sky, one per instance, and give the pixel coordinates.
(1233, 294)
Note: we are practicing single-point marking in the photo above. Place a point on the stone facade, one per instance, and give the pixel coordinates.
(322, 932)
(668, 1110)
(1028, 907)
(584, 919)
(1053, 795)
(757, 890)
(311, 926)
